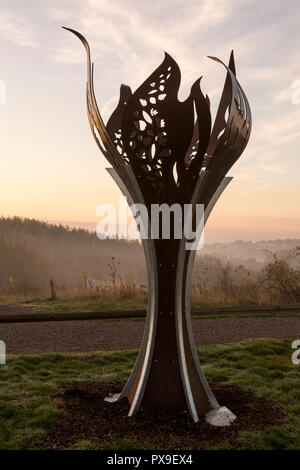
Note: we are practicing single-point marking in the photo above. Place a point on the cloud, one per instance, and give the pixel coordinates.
(127, 39)
(136, 32)
(16, 30)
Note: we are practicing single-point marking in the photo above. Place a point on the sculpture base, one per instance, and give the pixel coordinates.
(220, 417)
(113, 397)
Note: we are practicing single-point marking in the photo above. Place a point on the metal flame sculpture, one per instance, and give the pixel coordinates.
(160, 152)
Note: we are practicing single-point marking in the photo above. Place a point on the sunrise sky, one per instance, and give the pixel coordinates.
(51, 168)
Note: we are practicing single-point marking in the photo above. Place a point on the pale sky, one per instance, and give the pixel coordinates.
(51, 168)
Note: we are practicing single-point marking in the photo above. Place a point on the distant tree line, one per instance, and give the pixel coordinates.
(34, 251)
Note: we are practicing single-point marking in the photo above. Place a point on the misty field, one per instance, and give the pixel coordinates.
(73, 269)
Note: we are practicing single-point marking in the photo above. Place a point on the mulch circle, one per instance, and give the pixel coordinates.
(86, 416)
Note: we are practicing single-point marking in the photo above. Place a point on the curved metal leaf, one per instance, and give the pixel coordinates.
(97, 126)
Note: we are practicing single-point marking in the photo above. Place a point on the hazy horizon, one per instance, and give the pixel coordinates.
(213, 235)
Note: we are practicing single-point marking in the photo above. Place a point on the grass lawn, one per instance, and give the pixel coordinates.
(85, 303)
(93, 303)
(28, 383)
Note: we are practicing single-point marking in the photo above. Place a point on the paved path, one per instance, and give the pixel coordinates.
(119, 335)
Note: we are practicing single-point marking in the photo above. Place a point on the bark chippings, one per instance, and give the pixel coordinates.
(86, 416)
